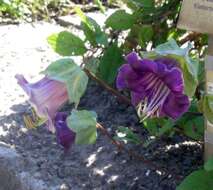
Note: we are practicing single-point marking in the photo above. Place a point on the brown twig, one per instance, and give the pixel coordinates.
(190, 37)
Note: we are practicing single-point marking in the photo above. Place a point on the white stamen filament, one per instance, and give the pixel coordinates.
(148, 78)
(152, 105)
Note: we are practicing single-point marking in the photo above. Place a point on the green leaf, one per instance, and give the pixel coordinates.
(92, 29)
(91, 23)
(90, 34)
(76, 85)
(83, 123)
(192, 124)
(208, 166)
(145, 3)
(145, 35)
(127, 135)
(110, 62)
(102, 39)
(198, 180)
(93, 32)
(67, 44)
(148, 3)
(92, 65)
(100, 5)
(171, 47)
(166, 127)
(136, 4)
(158, 126)
(66, 71)
(189, 66)
(194, 127)
(83, 17)
(61, 69)
(208, 107)
(151, 125)
(130, 4)
(120, 20)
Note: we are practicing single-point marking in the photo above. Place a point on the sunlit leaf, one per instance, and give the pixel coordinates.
(92, 65)
(189, 66)
(120, 20)
(65, 70)
(100, 5)
(83, 123)
(92, 29)
(67, 44)
(127, 135)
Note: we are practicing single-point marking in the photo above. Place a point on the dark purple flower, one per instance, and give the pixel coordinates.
(65, 136)
(156, 86)
(46, 96)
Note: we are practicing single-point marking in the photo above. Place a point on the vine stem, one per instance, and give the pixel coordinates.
(107, 87)
(189, 37)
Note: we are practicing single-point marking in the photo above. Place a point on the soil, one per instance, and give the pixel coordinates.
(98, 166)
(102, 166)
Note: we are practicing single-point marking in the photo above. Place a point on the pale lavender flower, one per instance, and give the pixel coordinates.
(46, 96)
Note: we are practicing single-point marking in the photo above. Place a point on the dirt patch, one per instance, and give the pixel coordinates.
(101, 166)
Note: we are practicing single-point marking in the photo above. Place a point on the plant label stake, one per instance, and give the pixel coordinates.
(197, 15)
(209, 90)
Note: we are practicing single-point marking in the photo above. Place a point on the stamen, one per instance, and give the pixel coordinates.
(156, 95)
(159, 97)
(148, 78)
(159, 103)
(160, 92)
(154, 83)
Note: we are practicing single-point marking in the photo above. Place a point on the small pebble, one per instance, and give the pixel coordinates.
(64, 187)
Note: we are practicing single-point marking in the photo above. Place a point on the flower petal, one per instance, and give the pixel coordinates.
(136, 98)
(168, 62)
(144, 65)
(174, 80)
(46, 96)
(132, 58)
(126, 77)
(65, 136)
(175, 105)
(121, 78)
(23, 83)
